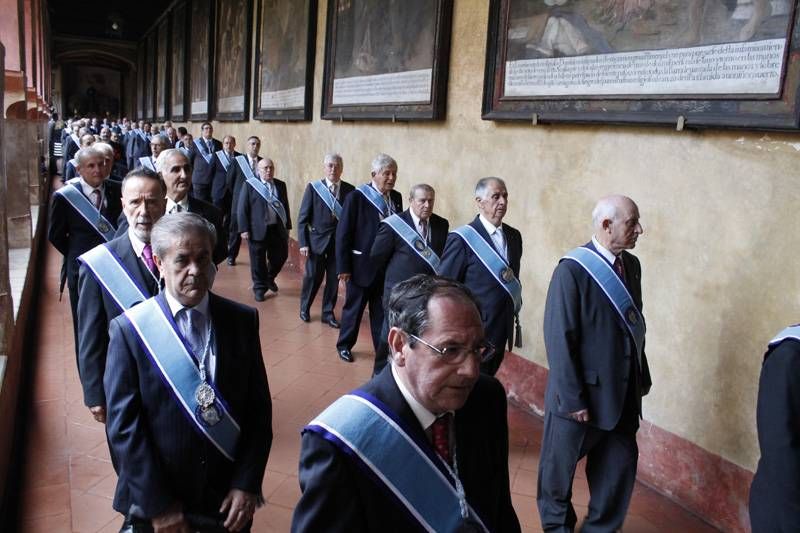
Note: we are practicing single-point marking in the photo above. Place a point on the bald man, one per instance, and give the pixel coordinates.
(594, 336)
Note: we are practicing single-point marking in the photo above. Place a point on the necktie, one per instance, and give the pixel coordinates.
(440, 432)
(332, 188)
(389, 210)
(96, 198)
(253, 164)
(210, 146)
(147, 255)
(619, 268)
(269, 187)
(500, 242)
(195, 326)
(177, 208)
(423, 229)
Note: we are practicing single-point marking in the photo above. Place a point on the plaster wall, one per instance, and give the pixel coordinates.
(719, 211)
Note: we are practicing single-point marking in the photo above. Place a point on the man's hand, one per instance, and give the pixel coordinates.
(172, 521)
(580, 416)
(304, 251)
(99, 413)
(344, 276)
(245, 235)
(240, 506)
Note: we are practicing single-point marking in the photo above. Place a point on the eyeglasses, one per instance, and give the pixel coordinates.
(455, 355)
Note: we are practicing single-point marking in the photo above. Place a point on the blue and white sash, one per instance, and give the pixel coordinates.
(112, 275)
(147, 162)
(364, 428)
(494, 263)
(792, 332)
(326, 196)
(152, 322)
(224, 159)
(615, 290)
(184, 150)
(73, 195)
(414, 240)
(75, 139)
(203, 149)
(375, 198)
(261, 189)
(142, 134)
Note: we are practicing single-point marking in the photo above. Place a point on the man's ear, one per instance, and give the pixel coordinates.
(396, 342)
(157, 261)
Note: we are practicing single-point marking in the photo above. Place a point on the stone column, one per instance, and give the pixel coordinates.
(6, 305)
(18, 204)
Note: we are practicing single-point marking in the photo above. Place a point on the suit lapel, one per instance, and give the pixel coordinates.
(221, 341)
(478, 225)
(135, 266)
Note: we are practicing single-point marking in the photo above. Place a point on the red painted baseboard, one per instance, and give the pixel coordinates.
(704, 483)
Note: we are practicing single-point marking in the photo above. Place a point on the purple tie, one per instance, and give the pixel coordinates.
(147, 255)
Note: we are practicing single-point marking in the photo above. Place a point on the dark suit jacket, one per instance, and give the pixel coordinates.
(95, 310)
(163, 458)
(461, 264)
(252, 214)
(136, 147)
(775, 492)
(355, 235)
(589, 349)
(339, 496)
(392, 253)
(71, 234)
(234, 180)
(202, 172)
(218, 181)
(70, 148)
(316, 225)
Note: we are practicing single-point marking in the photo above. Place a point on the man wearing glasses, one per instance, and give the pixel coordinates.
(424, 444)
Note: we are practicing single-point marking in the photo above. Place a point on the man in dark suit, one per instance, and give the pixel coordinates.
(72, 142)
(401, 257)
(361, 214)
(71, 232)
(316, 233)
(71, 166)
(201, 155)
(265, 225)
(460, 262)
(142, 204)
(223, 160)
(434, 392)
(197, 463)
(775, 492)
(233, 185)
(138, 144)
(598, 373)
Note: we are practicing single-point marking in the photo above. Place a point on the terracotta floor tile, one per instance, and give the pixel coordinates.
(287, 494)
(60, 523)
(85, 472)
(43, 501)
(90, 513)
(272, 519)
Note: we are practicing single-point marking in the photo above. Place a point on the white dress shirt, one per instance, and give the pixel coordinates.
(183, 203)
(497, 235)
(607, 255)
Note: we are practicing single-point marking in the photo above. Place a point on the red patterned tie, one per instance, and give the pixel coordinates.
(440, 430)
(619, 268)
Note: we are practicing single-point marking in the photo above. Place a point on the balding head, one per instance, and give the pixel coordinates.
(616, 223)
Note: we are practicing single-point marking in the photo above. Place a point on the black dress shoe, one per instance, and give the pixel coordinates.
(345, 355)
(272, 286)
(304, 316)
(231, 261)
(332, 322)
(259, 295)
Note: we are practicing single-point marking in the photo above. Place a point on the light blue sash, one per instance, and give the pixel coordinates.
(615, 290)
(111, 274)
(141, 134)
(184, 150)
(86, 209)
(375, 198)
(792, 332)
(364, 428)
(261, 189)
(224, 159)
(203, 149)
(168, 350)
(495, 264)
(147, 162)
(330, 200)
(414, 240)
(75, 139)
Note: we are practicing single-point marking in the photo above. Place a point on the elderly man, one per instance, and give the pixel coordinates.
(594, 336)
(355, 234)
(82, 216)
(424, 444)
(108, 160)
(138, 144)
(263, 219)
(158, 143)
(234, 179)
(202, 159)
(189, 410)
(222, 162)
(485, 256)
(72, 142)
(172, 135)
(115, 276)
(71, 168)
(407, 244)
(316, 228)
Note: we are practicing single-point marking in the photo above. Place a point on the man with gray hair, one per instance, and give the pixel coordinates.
(316, 228)
(485, 256)
(189, 409)
(158, 143)
(71, 167)
(594, 335)
(362, 212)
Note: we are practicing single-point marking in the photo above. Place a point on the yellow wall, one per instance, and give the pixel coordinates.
(720, 212)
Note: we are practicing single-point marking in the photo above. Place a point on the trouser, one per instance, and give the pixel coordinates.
(611, 460)
(234, 238)
(355, 302)
(275, 249)
(319, 267)
(202, 191)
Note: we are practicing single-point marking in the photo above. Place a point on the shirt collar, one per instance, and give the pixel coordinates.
(175, 306)
(136, 242)
(602, 250)
(328, 182)
(183, 203)
(488, 226)
(414, 218)
(374, 186)
(87, 189)
(425, 417)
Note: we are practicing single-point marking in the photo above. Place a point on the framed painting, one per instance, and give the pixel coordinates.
(200, 53)
(386, 59)
(232, 59)
(686, 63)
(162, 68)
(284, 81)
(178, 62)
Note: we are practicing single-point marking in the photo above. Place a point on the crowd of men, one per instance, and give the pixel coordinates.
(175, 371)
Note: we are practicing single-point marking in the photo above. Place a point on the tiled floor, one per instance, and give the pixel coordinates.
(69, 482)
